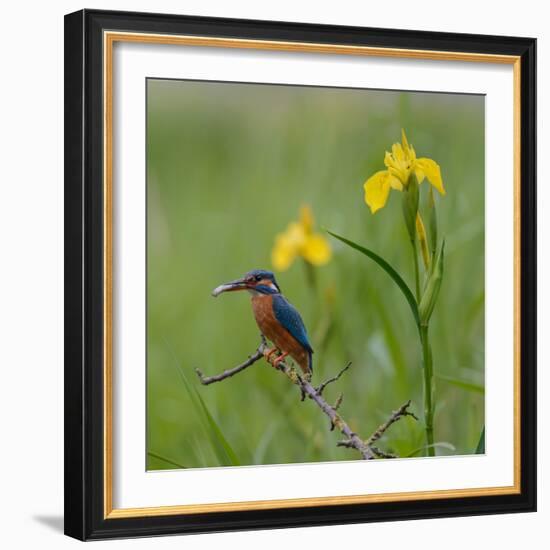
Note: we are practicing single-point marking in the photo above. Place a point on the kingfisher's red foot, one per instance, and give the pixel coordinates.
(268, 353)
(279, 359)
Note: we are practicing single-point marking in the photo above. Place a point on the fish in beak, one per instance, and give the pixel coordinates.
(232, 286)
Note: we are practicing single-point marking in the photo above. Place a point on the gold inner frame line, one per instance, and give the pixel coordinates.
(109, 39)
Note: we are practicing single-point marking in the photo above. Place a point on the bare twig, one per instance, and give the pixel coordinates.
(352, 441)
(335, 419)
(395, 416)
(205, 380)
(324, 384)
(336, 406)
(382, 454)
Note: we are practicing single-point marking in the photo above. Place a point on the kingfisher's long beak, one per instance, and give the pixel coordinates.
(238, 284)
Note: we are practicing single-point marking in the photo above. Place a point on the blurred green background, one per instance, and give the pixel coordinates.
(229, 166)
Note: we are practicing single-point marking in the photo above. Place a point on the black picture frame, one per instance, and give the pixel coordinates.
(84, 281)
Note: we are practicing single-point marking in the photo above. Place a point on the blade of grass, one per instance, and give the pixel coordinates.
(198, 450)
(227, 449)
(439, 445)
(223, 450)
(397, 279)
(480, 449)
(264, 442)
(167, 460)
(464, 384)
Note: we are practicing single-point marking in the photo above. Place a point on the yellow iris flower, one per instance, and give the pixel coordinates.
(299, 240)
(400, 164)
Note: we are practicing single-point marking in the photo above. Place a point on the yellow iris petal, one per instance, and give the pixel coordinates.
(431, 170)
(377, 189)
(400, 163)
(395, 183)
(419, 174)
(316, 250)
(388, 159)
(397, 152)
(295, 234)
(283, 254)
(404, 140)
(306, 218)
(287, 246)
(298, 240)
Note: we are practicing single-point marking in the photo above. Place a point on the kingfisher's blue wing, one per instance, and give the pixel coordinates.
(288, 316)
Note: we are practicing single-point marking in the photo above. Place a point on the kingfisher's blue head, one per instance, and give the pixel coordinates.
(257, 281)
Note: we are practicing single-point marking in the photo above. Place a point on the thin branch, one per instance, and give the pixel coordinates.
(324, 384)
(352, 441)
(382, 454)
(335, 419)
(378, 452)
(205, 380)
(395, 416)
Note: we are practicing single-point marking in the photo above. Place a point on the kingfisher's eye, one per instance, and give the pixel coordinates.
(258, 278)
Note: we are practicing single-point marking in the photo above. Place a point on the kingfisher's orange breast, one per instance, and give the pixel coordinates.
(262, 306)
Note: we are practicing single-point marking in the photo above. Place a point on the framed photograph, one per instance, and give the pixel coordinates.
(300, 274)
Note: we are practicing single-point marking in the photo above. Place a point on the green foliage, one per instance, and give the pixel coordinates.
(480, 449)
(228, 167)
(438, 445)
(224, 453)
(163, 459)
(464, 384)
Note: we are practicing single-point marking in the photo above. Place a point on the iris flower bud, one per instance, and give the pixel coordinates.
(429, 298)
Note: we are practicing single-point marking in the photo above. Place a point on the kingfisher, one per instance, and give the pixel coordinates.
(277, 319)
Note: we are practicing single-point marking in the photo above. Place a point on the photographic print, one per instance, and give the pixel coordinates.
(300, 274)
(315, 274)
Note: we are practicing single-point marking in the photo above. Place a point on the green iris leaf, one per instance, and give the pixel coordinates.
(397, 279)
